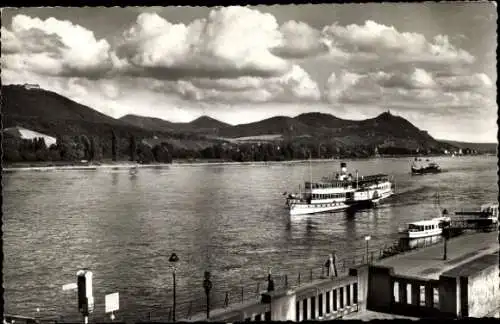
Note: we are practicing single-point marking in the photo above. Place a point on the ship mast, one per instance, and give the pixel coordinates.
(310, 169)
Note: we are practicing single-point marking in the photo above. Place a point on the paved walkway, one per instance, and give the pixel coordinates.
(428, 262)
(370, 315)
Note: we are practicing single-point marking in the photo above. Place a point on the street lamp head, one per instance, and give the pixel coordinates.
(368, 237)
(173, 258)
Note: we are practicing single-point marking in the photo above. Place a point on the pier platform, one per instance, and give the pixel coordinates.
(428, 262)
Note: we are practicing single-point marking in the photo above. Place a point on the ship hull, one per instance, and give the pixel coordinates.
(314, 208)
(421, 171)
(422, 234)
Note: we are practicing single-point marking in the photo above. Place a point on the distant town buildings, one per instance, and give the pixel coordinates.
(25, 133)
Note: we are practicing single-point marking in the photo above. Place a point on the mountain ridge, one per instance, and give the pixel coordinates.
(53, 114)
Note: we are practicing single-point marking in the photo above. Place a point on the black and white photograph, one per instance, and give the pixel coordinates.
(287, 162)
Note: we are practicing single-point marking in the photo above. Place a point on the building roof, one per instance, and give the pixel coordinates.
(25, 133)
(429, 221)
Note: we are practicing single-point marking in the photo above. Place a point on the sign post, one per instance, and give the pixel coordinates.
(367, 239)
(85, 296)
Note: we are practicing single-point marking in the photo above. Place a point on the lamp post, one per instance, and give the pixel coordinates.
(173, 259)
(367, 239)
(207, 285)
(270, 282)
(446, 235)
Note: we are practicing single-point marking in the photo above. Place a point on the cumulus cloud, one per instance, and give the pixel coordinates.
(238, 54)
(299, 40)
(54, 47)
(415, 91)
(381, 42)
(477, 81)
(295, 85)
(231, 42)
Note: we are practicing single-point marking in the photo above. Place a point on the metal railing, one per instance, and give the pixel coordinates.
(292, 280)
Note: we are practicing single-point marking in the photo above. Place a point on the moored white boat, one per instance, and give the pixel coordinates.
(425, 228)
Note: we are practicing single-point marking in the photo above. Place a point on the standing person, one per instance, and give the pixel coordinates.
(270, 282)
(328, 266)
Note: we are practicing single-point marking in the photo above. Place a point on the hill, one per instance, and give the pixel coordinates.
(385, 130)
(278, 125)
(151, 123)
(50, 113)
(55, 115)
(203, 124)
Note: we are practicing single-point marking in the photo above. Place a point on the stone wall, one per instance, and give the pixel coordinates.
(483, 292)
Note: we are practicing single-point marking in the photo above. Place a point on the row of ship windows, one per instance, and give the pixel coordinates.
(327, 196)
(413, 227)
(326, 185)
(337, 185)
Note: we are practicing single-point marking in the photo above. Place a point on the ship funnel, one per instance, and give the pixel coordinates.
(343, 167)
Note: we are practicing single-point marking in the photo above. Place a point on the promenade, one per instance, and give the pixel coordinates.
(420, 276)
(428, 262)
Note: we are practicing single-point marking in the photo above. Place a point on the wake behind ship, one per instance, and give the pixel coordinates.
(339, 193)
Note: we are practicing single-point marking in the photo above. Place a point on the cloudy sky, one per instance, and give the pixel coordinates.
(431, 63)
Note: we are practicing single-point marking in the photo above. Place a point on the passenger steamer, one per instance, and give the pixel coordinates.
(339, 193)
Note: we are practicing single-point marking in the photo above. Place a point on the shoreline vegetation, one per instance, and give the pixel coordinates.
(126, 165)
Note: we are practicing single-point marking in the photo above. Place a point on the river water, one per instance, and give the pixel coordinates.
(229, 219)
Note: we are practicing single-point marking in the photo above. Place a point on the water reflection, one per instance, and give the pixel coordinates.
(114, 178)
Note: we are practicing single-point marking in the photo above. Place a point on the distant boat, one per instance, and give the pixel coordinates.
(419, 168)
(425, 228)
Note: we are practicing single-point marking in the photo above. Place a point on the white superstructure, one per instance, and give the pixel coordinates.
(339, 192)
(425, 228)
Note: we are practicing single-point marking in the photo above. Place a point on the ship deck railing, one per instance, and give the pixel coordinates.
(335, 183)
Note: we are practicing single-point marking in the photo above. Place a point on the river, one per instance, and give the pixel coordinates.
(226, 218)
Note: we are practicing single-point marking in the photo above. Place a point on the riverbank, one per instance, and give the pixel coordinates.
(75, 165)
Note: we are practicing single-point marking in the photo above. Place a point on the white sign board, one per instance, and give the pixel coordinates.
(112, 303)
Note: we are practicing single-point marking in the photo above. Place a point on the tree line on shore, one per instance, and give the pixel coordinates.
(83, 147)
(94, 148)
